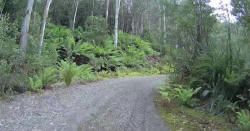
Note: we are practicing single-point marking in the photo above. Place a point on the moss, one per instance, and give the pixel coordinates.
(188, 119)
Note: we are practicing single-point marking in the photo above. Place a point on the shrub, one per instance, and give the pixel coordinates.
(68, 71)
(151, 71)
(35, 83)
(213, 72)
(135, 50)
(164, 69)
(61, 38)
(48, 76)
(101, 57)
(243, 120)
(103, 74)
(167, 92)
(11, 78)
(97, 29)
(165, 96)
(86, 73)
(184, 95)
(132, 52)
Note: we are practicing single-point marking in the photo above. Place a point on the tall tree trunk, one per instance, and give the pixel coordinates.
(76, 9)
(142, 25)
(229, 41)
(164, 24)
(25, 27)
(45, 15)
(133, 25)
(123, 22)
(118, 2)
(107, 11)
(149, 24)
(148, 15)
(160, 28)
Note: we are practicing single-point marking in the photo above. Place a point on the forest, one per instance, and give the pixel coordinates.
(206, 57)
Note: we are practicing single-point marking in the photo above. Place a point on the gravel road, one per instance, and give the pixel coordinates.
(124, 104)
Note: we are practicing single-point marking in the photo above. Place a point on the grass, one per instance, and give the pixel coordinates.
(181, 118)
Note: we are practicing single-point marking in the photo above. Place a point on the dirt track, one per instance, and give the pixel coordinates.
(124, 104)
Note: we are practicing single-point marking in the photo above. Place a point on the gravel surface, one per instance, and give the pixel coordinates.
(124, 104)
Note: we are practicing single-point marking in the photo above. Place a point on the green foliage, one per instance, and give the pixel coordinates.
(167, 92)
(68, 71)
(96, 30)
(60, 43)
(35, 83)
(221, 68)
(165, 96)
(184, 95)
(8, 36)
(59, 35)
(48, 76)
(165, 69)
(97, 25)
(11, 78)
(101, 57)
(243, 120)
(212, 72)
(107, 57)
(150, 71)
(86, 73)
(62, 40)
(241, 7)
(136, 51)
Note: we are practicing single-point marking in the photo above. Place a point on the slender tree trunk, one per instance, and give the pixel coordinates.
(133, 25)
(229, 42)
(149, 24)
(122, 25)
(142, 25)
(107, 11)
(76, 10)
(45, 15)
(164, 24)
(25, 27)
(160, 29)
(118, 2)
(148, 15)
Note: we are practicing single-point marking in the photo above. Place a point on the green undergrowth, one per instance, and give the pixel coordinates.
(71, 74)
(180, 117)
(121, 73)
(69, 57)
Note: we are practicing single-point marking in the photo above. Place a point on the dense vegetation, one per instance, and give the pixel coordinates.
(211, 63)
(207, 60)
(72, 47)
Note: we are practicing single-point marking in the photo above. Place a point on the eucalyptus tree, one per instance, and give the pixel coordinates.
(45, 15)
(107, 10)
(76, 3)
(118, 2)
(25, 27)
